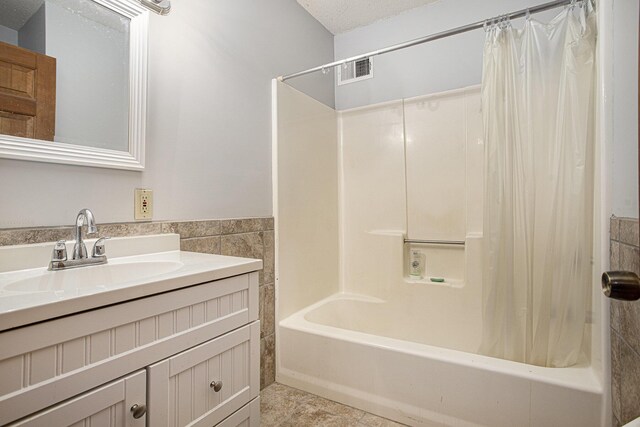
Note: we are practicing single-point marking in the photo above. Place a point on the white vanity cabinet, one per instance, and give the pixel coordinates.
(162, 351)
(204, 385)
(108, 405)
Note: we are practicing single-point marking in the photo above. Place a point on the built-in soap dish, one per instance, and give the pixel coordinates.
(439, 281)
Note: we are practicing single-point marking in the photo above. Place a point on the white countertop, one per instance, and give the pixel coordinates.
(30, 293)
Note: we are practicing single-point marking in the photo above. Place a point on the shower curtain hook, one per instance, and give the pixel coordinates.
(504, 21)
(528, 16)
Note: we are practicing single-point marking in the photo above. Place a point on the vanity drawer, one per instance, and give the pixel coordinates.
(107, 406)
(247, 416)
(48, 362)
(181, 388)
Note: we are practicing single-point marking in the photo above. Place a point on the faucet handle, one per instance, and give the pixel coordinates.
(98, 247)
(59, 251)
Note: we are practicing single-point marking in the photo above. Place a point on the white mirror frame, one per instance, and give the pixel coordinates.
(36, 150)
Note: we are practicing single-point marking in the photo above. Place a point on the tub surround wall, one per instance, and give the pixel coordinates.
(625, 326)
(373, 199)
(440, 131)
(243, 237)
(306, 199)
(426, 184)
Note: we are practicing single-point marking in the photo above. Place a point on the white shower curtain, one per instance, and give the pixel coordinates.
(538, 93)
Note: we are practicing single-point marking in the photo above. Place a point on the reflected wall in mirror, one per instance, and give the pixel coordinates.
(73, 81)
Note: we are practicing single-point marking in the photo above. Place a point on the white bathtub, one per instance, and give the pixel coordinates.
(357, 350)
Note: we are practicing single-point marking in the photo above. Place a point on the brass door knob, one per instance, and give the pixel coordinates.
(216, 385)
(622, 285)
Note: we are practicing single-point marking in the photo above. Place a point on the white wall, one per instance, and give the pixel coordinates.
(450, 63)
(625, 108)
(208, 124)
(8, 35)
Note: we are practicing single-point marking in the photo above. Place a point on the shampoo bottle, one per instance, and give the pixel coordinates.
(416, 266)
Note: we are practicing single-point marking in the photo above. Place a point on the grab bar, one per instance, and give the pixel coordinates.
(436, 242)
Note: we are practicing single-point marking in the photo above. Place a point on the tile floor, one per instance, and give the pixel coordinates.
(283, 406)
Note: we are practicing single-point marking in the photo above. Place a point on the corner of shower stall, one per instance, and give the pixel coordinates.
(305, 194)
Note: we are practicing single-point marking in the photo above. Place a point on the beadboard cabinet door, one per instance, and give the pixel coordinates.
(207, 383)
(106, 406)
(247, 416)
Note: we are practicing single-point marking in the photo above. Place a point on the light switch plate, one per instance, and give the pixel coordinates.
(143, 204)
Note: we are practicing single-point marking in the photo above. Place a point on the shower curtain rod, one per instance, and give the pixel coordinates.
(476, 25)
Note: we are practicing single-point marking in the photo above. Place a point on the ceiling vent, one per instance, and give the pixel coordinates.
(355, 71)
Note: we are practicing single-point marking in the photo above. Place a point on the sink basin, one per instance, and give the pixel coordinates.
(89, 278)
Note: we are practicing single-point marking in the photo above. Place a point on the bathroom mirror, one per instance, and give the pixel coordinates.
(73, 77)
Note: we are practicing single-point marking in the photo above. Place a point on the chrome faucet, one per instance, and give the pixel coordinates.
(59, 259)
(84, 216)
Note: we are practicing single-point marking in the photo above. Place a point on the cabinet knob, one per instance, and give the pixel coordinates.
(138, 410)
(216, 385)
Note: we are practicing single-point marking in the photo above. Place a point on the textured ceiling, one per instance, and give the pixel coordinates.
(339, 16)
(14, 13)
